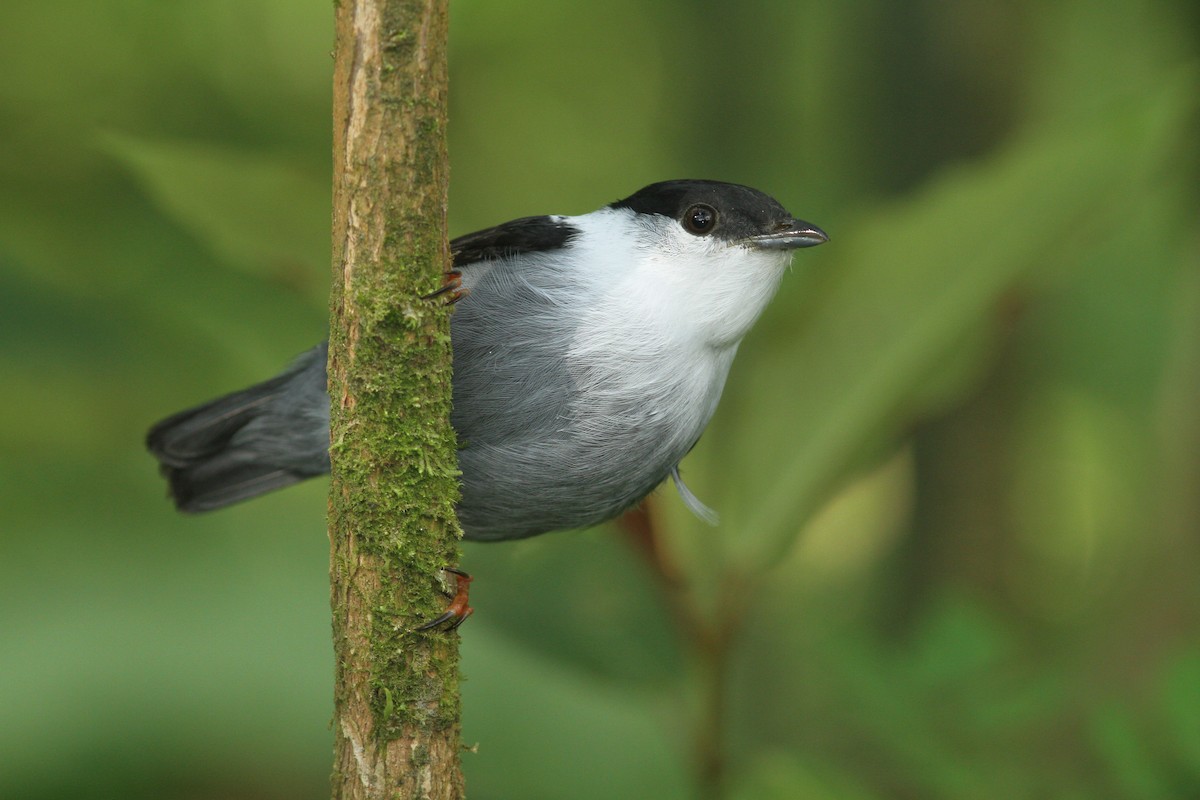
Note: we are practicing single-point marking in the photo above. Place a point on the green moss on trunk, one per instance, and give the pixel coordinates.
(391, 507)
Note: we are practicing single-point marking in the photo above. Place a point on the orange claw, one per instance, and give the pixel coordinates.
(452, 285)
(457, 612)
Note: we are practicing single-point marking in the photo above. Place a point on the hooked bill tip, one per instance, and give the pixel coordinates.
(797, 233)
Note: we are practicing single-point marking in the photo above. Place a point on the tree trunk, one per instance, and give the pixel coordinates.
(391, 504)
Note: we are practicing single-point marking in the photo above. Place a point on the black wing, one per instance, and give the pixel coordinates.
(525, 235)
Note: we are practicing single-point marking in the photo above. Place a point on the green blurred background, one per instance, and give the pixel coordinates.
(958, 462)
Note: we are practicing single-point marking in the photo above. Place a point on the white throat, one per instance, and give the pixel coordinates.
(665, 285)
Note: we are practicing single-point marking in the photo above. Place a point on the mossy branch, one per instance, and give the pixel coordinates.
(391, 505)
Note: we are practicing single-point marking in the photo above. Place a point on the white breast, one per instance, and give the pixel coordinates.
(666, 313)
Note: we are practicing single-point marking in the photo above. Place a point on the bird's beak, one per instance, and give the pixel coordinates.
(789, 236)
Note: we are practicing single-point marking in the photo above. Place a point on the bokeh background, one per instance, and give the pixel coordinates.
(958, 462)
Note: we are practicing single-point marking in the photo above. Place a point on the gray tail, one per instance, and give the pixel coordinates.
(248, 443)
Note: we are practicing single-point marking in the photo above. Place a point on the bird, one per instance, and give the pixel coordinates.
(589, 354)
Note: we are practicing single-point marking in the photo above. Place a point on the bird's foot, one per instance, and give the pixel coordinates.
(457, 612)
(452, 288)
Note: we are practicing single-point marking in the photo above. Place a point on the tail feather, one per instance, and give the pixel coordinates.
(205, 430)
(247, 443)
(223, 480)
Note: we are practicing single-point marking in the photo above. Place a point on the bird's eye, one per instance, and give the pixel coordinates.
(700, 219)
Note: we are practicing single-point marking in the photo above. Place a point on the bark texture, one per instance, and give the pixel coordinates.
(391, 507)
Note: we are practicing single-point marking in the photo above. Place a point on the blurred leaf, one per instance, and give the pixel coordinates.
(581, 600)
(157, 657)
(1180, 709)
(782, 777)
(568, 111)
(890, 715)
(1079, 462)
(1124, 48)
(903, 290)
(970, 727)
(853, 531)
(1133, 768)
(956, 643)
(546, 732)
(268, 58)
(256, 211)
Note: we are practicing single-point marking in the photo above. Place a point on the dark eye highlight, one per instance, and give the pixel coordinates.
(700, 219)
